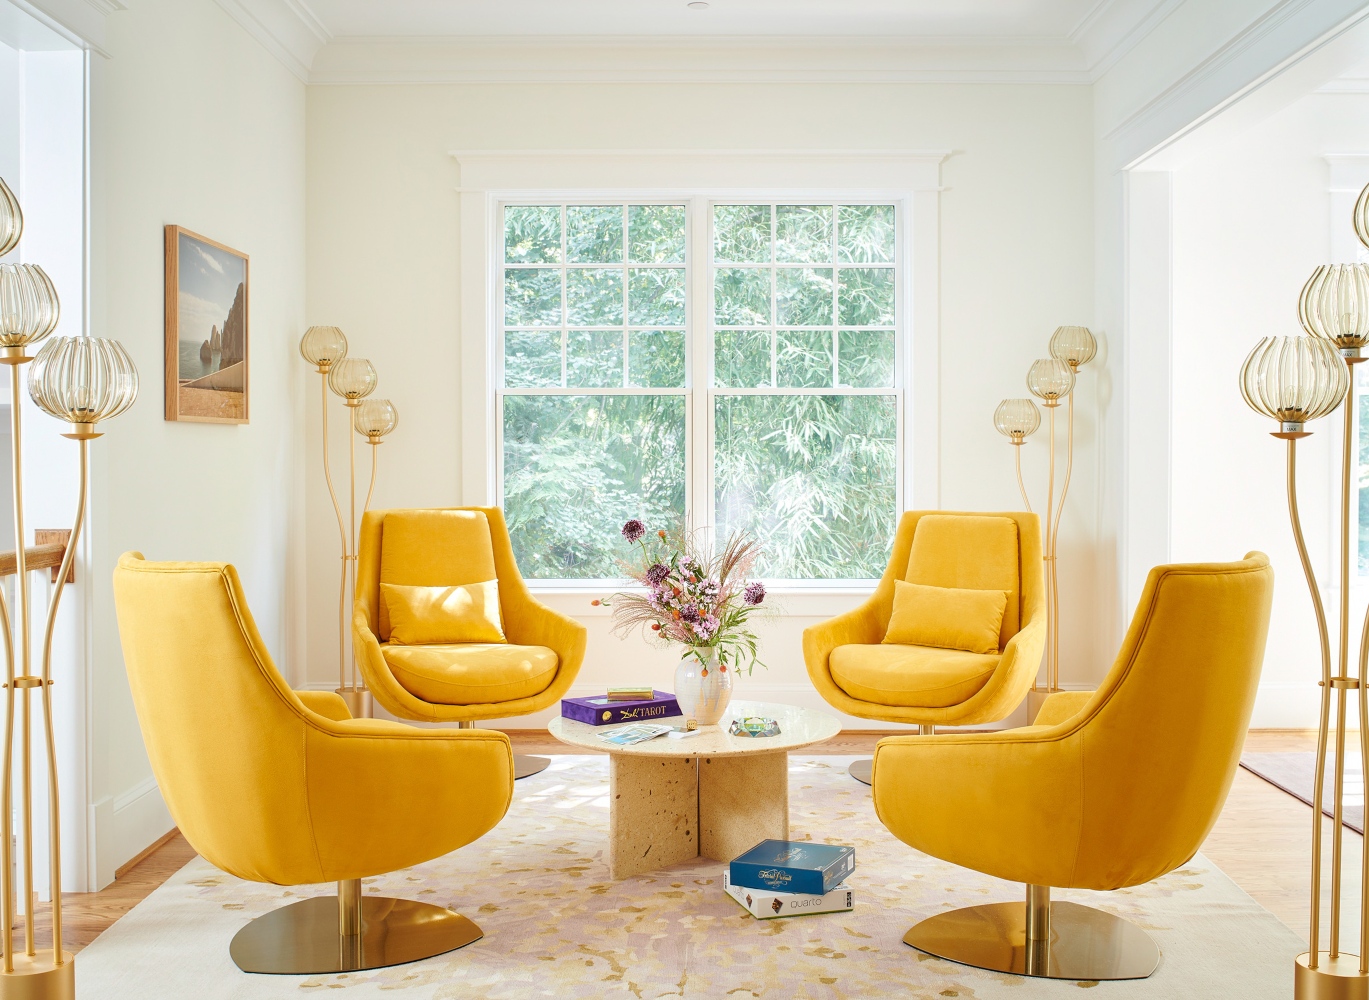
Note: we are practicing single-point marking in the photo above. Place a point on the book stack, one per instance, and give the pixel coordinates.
(781, 878)
(611, 710)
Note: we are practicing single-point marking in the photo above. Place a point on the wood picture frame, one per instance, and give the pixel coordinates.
(207, 330)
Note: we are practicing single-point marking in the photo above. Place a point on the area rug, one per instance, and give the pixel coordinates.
(1295, 773)
(557, 926)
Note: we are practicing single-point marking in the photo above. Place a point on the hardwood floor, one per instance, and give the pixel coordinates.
(1260, 840)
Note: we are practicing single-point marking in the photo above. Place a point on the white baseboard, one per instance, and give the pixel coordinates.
(124, 826)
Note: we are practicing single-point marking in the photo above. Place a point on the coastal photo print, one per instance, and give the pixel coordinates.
(206, 330)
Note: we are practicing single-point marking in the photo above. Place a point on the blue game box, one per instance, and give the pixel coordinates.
(786, 866)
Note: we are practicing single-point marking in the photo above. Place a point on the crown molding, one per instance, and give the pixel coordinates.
(82, 22)
(625, 59)
(1114, 27)
(287, 29)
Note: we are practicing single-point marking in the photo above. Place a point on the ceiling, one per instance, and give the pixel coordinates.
(902, 18)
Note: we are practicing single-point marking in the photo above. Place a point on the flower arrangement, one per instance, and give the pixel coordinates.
(698, 599)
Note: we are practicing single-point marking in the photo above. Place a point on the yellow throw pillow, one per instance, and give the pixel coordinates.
(946, 617)
(421, 616)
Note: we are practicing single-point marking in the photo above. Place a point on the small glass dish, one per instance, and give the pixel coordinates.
(754, 726)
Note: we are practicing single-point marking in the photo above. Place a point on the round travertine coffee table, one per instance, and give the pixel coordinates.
(713, 794)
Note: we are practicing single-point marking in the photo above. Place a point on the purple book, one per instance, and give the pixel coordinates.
(599, 711)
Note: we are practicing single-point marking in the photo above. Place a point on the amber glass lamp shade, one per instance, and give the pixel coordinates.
(1074, 345)
(353, 379)
(1050, 379)
(1334, 305)
(83, 380)
(11, 219)
(29, 308)
(1017, 419)
(323, 346)
(375, 418)
(1294, 379)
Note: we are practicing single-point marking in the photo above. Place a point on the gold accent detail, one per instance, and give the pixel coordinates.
(1349, 683)
(1041, 939)
(314, 936)
(14, 355)
(525, 766)
(1336, 978)
(28, 682)
(35, 977)
(358, 701)
(81, 431)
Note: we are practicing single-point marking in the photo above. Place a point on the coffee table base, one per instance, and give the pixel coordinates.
(665, 810)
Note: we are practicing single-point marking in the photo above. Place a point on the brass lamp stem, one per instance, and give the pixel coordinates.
(1052, 624)
(351, 573)
(342, 532)
(1314, 930)
(1343, 653)
(1055, 541)
(1018, 442)
(54, 804)
(375, 464)
(22, 611)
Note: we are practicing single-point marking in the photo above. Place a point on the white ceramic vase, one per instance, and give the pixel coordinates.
(703, 689)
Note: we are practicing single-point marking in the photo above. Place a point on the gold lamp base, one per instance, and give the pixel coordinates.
(1336, 978)
(303, 939)
(1082, 943)
(36, 978)
(358, 701)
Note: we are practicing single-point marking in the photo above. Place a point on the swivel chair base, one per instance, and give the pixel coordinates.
(860, 769)
(1070, 941)
(526, 767)
(307, 938)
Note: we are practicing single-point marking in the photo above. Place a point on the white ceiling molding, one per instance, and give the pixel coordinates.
(1279, 39)
(79, 21)
(1114, 27)
(287, 28)
(656, 59)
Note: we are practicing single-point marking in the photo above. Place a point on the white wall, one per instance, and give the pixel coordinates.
(193, 123)
(1251, 219)
(1016, 261)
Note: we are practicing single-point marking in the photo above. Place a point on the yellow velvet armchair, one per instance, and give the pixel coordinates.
(860, 675)
(274, 785)
(1109, 789)
(459, 682)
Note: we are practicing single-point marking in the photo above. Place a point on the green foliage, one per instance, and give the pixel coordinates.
(577, 467)
(812, 475)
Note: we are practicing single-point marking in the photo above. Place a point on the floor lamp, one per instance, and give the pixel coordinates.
(1294, 380)
(325, 347)
(81, 380)
(1050, 380)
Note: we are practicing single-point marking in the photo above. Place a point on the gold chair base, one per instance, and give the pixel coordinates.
(1084, 944)
(526, 767)
(36, 978)
(861, 770)
(1336, 978)
(302, 939)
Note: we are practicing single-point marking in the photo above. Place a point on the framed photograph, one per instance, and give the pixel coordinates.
(206, 330)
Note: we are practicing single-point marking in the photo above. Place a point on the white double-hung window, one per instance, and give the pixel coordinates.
(722, 364)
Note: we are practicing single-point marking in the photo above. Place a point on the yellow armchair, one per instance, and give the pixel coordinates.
(858, 674)
(461, 682)
(1109, 789)
(284, 787)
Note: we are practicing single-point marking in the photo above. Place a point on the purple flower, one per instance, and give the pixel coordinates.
(634, 530)
(754, 592)
(656, 575)
(690, 613)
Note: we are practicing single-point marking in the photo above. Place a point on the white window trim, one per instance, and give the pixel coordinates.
(911, 179)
